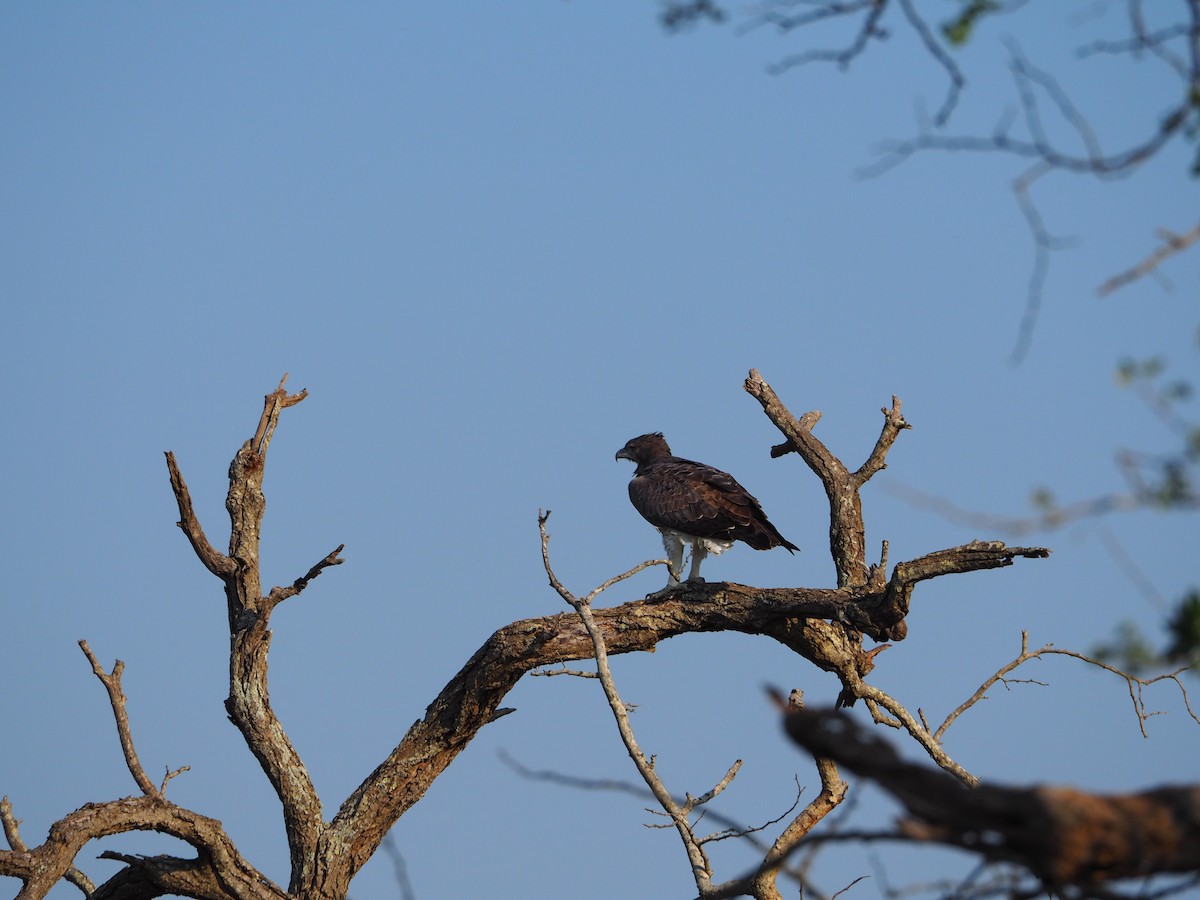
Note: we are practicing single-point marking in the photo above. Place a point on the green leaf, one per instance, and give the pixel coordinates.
(1184, 630)
(958, 30)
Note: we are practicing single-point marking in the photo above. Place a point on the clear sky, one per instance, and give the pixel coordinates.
(495, 241)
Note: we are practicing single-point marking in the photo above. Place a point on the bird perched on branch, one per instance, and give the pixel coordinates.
(691, 503)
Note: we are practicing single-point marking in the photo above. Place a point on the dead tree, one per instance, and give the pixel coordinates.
(823, 625)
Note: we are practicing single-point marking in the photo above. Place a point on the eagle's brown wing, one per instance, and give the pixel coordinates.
(698, 500)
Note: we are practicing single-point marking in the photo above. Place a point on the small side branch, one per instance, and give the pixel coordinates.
(273, 404)
(701, 868)
(279, 594)
(112, 684)
(1135, 685)
(917, 730)
(893, 424)
(217, 563)
(1171, 244)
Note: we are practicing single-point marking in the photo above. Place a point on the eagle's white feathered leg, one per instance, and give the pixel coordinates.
(699, 551)
(673, 544)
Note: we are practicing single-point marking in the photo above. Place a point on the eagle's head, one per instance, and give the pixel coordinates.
(645, 448)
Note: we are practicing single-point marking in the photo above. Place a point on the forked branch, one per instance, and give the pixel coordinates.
(116, 697)
(1135, 684)
(846, 530)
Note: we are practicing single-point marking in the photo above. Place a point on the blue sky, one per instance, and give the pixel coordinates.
(494, 242)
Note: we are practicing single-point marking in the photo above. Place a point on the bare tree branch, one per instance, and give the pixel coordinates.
(51, 861)
(112, 684)
(12, 833)
(700, 865)
(217, 563)
(1171, 244)
(279, 594)
(1047, 520)
(1062, 836)
(841, 487)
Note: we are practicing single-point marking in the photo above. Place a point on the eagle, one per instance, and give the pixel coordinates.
(691, 503)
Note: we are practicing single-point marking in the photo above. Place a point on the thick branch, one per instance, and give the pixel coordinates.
(468, 702)
(145, 877)
(22, 860)
(42, 867)
(973, 557)
(1063, 836)
(248, 704)
(846, 531)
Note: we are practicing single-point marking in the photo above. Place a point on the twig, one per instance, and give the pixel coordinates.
(1135, 684)
(847, 887)
(943, 59)
(732, 828)
(1018, 525)
(691, 802)
(279, 594)
(922, 736)
(399, 868)
(172, 773)
(112, 684)
(701, 868)
(868, 30)
(1171, 244)
(562, 670)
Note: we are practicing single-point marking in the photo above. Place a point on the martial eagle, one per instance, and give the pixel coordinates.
(691, 503)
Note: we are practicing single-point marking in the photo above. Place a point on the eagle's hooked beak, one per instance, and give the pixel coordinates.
(623, 454)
